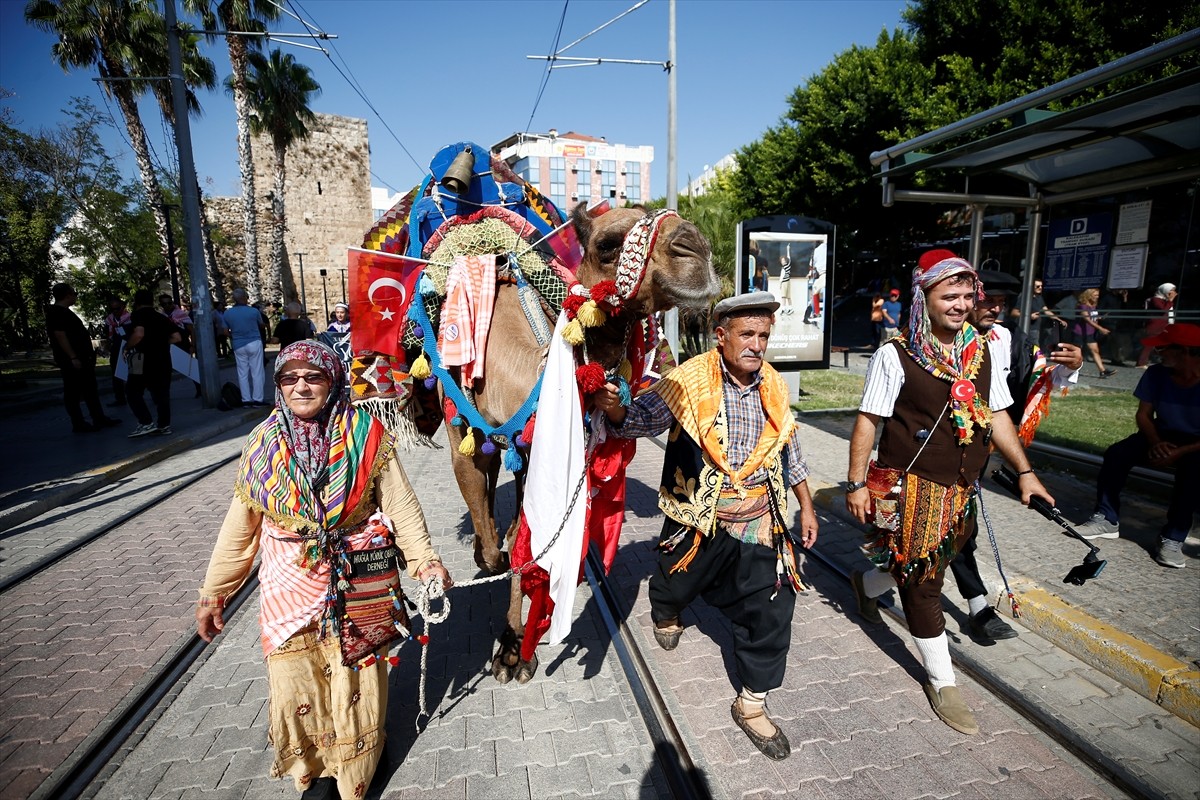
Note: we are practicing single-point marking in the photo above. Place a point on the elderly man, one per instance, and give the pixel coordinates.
(733, 451)
(247, 330)
(937, 387)
(1168, 436)
(1032, 377)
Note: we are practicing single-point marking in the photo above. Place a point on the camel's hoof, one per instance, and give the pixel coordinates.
(494, 565)
(501, 671)
(527, 669)
(507, 660)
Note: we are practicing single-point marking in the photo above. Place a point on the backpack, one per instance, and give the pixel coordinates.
(231, 397)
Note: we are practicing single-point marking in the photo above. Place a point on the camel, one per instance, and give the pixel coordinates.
(678, 273)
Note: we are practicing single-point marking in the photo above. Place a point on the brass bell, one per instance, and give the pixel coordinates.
(457, 178)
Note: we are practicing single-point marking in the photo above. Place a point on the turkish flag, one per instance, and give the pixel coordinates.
(381, 287)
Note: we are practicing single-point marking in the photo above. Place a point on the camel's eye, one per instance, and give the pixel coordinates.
(608, 244)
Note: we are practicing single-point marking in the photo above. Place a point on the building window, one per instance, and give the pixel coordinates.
(558, 182)
(527, 168)
(633, 181)
(583, 179)
(608, 179)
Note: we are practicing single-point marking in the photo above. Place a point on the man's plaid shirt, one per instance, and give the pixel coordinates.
(649, 415)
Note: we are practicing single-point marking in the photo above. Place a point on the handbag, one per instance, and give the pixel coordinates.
(137, 362)
(372, 605)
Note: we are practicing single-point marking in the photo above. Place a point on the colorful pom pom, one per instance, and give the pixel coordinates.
(527, 431)
(590, 377)
(456, 420)
(572, 304)
(430, 382)
(418, 331)
(489, 447)
(449, 409)
(467, 446)
(601, 291)
(590, 316)
(519, 440)
(512, 460)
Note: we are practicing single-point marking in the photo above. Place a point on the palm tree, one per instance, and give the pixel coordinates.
(118, 38)
(280, 90)
(249, 16)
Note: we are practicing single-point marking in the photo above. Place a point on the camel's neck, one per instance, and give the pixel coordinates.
(607, 343)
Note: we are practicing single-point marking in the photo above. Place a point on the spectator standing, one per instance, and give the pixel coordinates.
(247, 329)
(1160, 306)
(892, 310)
(114, 325)
(1046, 335)
(1087, 328)
(1168, 436)
(291, 328)
(148, 353)
(76, 360)
(341, 319)
(221, 332)
(876, 321)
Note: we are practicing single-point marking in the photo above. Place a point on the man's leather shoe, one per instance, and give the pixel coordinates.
(868, 607)
(775, 747)
(321, 789)
(668, 637)
(948, 704)
(988, 625)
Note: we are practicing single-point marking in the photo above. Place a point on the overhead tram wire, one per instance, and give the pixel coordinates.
(549, 65)
(315, 32)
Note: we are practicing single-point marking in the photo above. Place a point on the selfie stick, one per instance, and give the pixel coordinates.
(1092, 563)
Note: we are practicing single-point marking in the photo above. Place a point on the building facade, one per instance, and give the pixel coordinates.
(576, 168)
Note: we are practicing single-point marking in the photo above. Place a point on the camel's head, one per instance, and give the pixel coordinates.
(678, 266)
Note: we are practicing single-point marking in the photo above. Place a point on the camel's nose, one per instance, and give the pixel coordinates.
(688, 242)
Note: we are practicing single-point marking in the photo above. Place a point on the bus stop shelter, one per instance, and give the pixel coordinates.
(1142, 137)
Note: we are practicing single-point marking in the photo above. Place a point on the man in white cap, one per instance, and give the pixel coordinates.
(733, 452)
(937, 390)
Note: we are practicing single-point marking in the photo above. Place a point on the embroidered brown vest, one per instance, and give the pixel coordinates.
(921, 400)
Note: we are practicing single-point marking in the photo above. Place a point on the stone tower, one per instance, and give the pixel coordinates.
(327, 199)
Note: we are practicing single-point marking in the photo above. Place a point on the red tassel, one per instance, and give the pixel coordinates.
(423, 639)
(590, 377)
(572, 303)
(527, 431)
(449, 409)
(603, 290)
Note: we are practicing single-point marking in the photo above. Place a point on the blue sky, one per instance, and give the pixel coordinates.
(441, 72)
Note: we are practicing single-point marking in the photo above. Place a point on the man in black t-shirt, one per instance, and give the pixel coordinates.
(149, 352)
(76, 359)
(291, 328)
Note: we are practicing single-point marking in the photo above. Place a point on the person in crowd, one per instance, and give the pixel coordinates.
(1167, 437)
(1047, 335)
(1161, 307)
(247, 329)
(274, 314)
(148, 354)
(733, 452)
(1113, 309)
(76, 361)
(761, 281)
(876, 321)
(114, 325)
(221, 332)
(810, 296)
(181, 318)
(1033, 378)
(318, 486)
(937, 388)
(341, 319)
(1087, 328)
(291, 328)
(312, 326)
(892, 311)
(785, 281)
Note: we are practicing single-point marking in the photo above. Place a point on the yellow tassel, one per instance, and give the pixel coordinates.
(626, 371)
(590, 315)
(420, 368)
(467, 446)
(573, 333)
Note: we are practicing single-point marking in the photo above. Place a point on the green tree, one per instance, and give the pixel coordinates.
(250, 16)
(280, 90)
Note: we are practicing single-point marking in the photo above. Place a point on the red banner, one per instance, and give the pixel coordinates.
(381, 287)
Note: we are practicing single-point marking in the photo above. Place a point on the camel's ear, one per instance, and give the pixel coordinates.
(583, 224)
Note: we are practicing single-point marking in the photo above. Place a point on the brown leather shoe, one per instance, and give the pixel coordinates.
(948, 704)
(668, 636)
(774, 747)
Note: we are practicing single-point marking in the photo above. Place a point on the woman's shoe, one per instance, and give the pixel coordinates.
(1108, 373)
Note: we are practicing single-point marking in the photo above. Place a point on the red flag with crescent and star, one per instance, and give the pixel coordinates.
(381, 287)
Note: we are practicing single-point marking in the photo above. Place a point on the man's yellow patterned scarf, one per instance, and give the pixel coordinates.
(694, 394)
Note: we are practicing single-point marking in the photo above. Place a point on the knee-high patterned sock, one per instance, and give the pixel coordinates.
(935, 655)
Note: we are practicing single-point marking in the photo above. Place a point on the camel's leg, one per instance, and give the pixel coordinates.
(472, 476)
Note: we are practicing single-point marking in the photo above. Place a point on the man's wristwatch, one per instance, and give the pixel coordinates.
(854, 486)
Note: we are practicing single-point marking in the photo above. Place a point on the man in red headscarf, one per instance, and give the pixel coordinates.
(935, 389)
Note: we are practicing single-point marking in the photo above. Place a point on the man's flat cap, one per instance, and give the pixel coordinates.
(744, 303)
(996, 282)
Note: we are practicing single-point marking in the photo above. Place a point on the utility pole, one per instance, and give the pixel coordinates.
(202, 314)
(303, 301)
(343, 271)
(324, 298)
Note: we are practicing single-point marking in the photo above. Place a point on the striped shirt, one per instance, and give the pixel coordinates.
(649, 415)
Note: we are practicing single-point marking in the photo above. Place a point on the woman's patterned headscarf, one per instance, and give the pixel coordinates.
(309, 438)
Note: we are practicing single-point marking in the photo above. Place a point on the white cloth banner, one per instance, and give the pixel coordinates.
(181, 362)
(556, 464)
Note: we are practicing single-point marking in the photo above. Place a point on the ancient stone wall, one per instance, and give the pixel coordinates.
(327, 195)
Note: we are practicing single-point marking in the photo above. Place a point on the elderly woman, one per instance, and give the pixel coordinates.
(321, 495)
(1160, 306)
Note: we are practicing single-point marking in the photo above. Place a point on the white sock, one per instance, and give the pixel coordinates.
(877, 582)
(935, 654)
(750, 698)
(977, 604)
